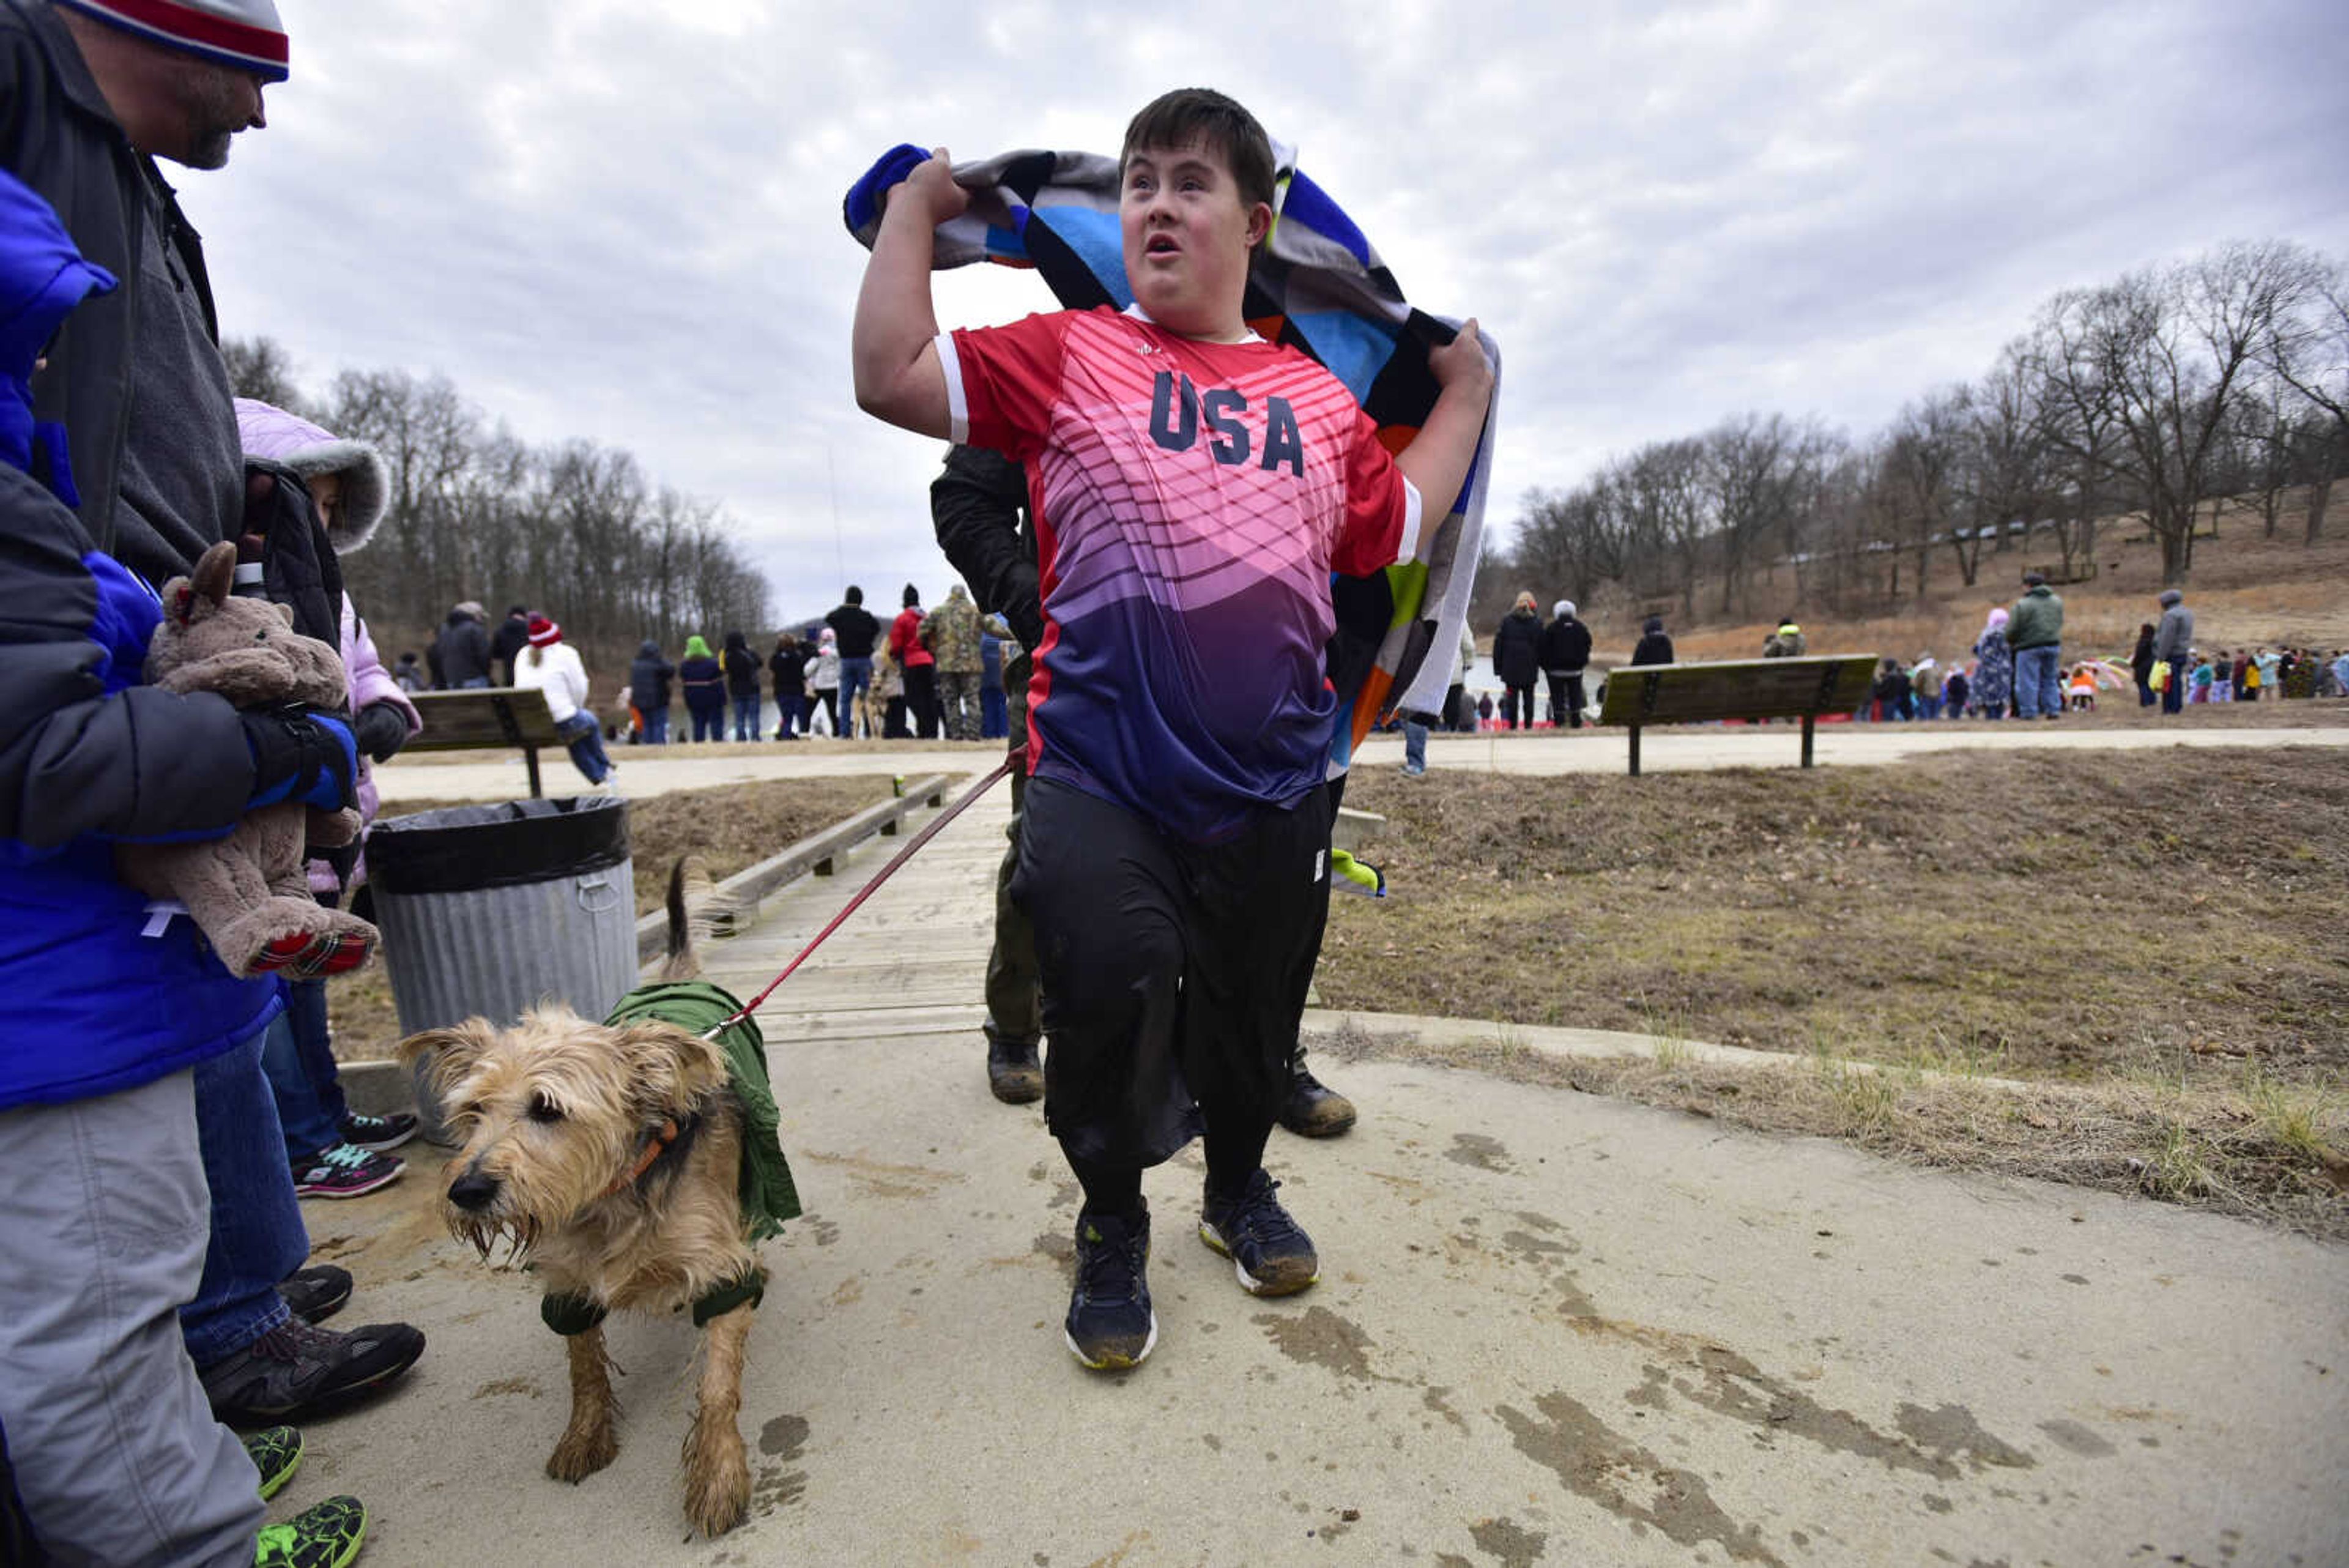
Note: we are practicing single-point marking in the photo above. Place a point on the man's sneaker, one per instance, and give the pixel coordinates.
(324, 1535)
(296, 1371)
(316, 1293)
(1109, 1323)
(345, 1170)
(1313, 1109)
(1269, 1253)
(380, 1135)
(1013, 1073)
(277, 1453)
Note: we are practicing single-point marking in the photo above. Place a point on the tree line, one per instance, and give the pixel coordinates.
(2153, 397)
(572, 529)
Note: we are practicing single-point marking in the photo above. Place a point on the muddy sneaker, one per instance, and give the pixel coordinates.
(1313, 1109)
(316, 1293)
(277, 1454)
(378, 1135)
(1109, 1323)
(1271, 1255)
(344, 1170)
(325, 1536)
(296, 1371)
(1014, 1075)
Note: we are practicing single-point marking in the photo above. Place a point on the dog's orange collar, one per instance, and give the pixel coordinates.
(655, 1147)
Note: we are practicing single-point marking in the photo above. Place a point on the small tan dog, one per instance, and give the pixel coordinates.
(633, 1165)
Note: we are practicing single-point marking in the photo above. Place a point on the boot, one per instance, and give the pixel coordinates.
(1311, 1109)
(1013, 1073)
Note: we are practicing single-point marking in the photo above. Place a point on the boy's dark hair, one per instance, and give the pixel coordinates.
(912, 596)
(1204, 116)
(855, 594)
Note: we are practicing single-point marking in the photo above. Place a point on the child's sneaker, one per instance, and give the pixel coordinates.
(1109, 1323)
(344, 1170)
(380, 1135)
(325, 1536)
(1271, 1255)
(277, 1454)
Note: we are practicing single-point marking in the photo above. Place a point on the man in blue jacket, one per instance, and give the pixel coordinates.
(116, 1007)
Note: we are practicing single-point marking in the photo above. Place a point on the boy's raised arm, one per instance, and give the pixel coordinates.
(1438, 459)
(893, 345)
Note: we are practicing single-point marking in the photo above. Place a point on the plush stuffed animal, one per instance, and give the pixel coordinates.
(247, 892)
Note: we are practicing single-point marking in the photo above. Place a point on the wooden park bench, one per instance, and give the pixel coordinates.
(1801, 688)
(487, 718)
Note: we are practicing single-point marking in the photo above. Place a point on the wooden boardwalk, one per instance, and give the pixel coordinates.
(911, 961)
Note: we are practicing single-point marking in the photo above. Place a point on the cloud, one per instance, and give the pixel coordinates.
(621, 221)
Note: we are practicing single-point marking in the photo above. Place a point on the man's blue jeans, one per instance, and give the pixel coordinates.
(746, 719)
(1414, 744)
(257, 1237)
(297, 1053)
(855, 675)
(585, 738)
(2037, 687)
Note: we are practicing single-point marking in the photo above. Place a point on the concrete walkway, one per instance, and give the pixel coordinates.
(1552, 1328)
(1590, 751)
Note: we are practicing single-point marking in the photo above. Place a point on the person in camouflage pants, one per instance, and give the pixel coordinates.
(951, 634)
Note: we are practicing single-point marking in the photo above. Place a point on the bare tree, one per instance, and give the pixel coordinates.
(260, 367)
(2308, 349)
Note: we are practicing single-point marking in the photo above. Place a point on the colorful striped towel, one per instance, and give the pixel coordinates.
(1316, 283)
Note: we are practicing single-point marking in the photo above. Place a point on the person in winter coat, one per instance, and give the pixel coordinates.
(1786, 642)
(856, 632)
(411, 674)
(1889, 697)
(950, 633)
(742, 667)
(917, 665)
(1953, 694)
(2141, 662)
(886, 701)
(787, 666)
(507, 643)
(1925, 688)
(551, 665)
(648, 690)
(1994, 666)
(335, 1153)
(822, 671)
(1516, 659)
(1654, 646)
(2174, 642)
(460, 656)
(705, 690)
(994, 708)
(2035, 630)
(104, 1129)
(1565, 655)
(1459, 713)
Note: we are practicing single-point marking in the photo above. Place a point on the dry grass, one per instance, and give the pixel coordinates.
(2156, 942)
(2228, 1149)
(731, 827)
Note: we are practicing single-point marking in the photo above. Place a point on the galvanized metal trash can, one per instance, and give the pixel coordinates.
(488, 910)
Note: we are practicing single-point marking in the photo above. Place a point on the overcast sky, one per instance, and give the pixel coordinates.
(621, 221)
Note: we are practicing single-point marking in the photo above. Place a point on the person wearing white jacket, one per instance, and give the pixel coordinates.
(551, 665)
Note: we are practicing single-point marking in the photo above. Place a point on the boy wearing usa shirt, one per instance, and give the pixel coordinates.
(1193, 486)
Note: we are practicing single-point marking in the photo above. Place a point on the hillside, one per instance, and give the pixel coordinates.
(2244, 589)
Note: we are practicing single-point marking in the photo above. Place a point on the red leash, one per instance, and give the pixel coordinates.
(972, 793)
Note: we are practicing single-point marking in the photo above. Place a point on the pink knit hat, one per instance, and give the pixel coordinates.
(242, 34)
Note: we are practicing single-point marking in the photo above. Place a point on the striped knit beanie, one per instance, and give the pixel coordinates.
(242, 34)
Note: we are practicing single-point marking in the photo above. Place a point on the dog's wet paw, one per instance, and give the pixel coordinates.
(718, 1496)
(582, 1454)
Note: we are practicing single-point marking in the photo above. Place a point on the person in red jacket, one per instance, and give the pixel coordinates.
(919, 665)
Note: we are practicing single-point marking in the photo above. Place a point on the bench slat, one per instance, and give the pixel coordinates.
(1738, 689)
(493, 718)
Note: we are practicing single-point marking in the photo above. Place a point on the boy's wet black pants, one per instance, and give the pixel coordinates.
(1174, 975)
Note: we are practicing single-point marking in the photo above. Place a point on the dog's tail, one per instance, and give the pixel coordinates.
(692, 917)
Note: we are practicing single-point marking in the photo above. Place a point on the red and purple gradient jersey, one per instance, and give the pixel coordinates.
(1190, 501)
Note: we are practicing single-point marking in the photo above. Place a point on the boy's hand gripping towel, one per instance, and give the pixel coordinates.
(1315, 283)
